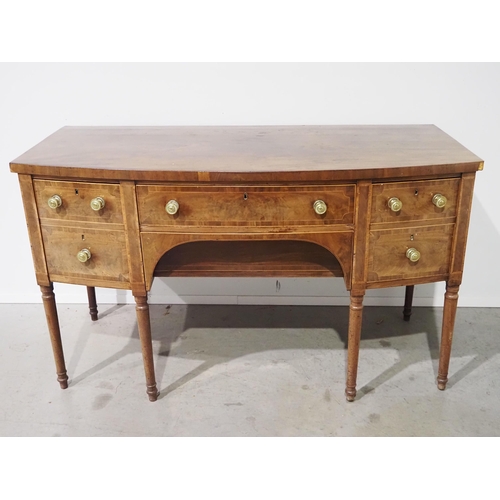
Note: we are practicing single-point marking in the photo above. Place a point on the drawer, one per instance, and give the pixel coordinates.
(108, 256)
(245, 206)
(75, 201)
(388, 258)
(416, 198)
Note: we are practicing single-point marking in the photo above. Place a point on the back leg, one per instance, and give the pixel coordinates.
(92, 303)
(408, 302)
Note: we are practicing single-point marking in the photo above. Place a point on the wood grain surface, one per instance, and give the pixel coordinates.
(245, 205)
(108, 265)
(290, 153)
(387, 252)
(34, 232)
(416, 197)
(76, 198)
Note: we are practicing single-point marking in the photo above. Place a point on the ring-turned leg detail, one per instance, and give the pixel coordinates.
(354, 335)
(92, 303)
(449, 314)
(49, 304)
(144, 324)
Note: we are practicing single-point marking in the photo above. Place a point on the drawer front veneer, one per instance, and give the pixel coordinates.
(106, 262)
(389, 259)
(76, 198)
(416, 198)
(245, 206)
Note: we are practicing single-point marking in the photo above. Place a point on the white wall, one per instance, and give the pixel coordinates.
(462, 99)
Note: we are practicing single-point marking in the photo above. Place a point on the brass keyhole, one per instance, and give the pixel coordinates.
(245, 196)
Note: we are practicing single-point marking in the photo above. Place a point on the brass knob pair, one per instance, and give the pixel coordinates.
(96, 204)
(395, 204)
(172, 207)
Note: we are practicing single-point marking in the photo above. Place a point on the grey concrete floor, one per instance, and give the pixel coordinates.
(248, 371)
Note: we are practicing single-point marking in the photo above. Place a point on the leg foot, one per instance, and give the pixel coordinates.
(408, 302)
(49, 304)
(354, 335)
(449, 313)
(441, 383)
(144, 324)
(92, 303)
(62, 378)
(350, 394)
(153, 393)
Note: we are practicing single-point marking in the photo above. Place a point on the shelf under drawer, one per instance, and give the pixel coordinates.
(248, 258)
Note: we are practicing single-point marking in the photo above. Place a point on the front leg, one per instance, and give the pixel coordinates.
(449, 313)
(354, 336)
(49, 304)
(144, 325)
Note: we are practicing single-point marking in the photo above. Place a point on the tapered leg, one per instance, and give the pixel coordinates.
(408, 302)
(49, 304)
(449, 313)
(92, 303)
(355, 320)
(144, 324)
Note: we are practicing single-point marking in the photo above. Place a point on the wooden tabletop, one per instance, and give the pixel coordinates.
(246, 153)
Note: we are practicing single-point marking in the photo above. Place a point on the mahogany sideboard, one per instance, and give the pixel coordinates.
(379, 206)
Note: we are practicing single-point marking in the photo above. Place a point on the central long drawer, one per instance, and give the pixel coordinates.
(245, 205)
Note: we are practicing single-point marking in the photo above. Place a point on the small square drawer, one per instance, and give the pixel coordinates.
(78, 201)
(85, 254)
(410, 253)
(414, 200)
(245, 205)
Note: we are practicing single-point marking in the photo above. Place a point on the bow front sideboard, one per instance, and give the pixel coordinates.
(379, 206)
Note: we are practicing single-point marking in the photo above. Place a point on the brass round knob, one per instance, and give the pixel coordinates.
(84, 255)
(395, 204)
(413, 254)
(172, 207)
(55, 201)
(320, 207)
(97, 204)
(439, 200)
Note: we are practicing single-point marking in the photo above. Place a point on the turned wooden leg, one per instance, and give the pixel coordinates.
(49, 304)
(449, 313)
(408, 302)
(92, 303)
(144, 324)
(355, 319)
